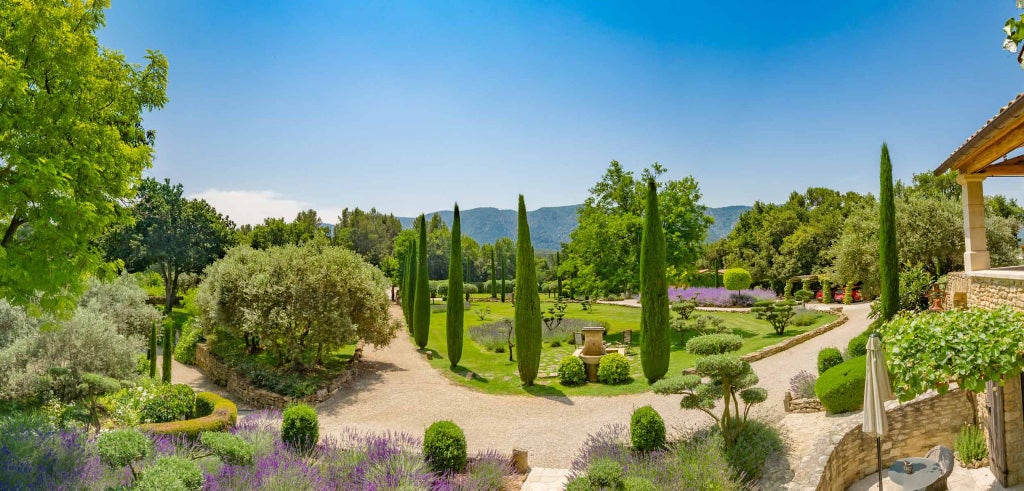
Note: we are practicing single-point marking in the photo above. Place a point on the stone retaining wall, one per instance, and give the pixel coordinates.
(984, 292)
(243, 390)
(914, 428)
(798, 339)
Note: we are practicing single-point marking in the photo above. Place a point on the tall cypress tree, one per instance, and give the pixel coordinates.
(654, 313)
(168, 353)
(407, 285)
(494, 277)
(152, 352)
(456, 308)
(888, 265)
(421, 307)
(527, 310)
(503, 279)
(558, 275)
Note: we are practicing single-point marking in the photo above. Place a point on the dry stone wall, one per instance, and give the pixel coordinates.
(243, 390)
(984, 292)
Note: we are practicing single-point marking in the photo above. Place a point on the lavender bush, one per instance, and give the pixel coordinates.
(720, 297)
(35, 455)
(802, 384)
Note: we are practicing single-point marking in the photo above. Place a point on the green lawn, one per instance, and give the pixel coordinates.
(494, 374)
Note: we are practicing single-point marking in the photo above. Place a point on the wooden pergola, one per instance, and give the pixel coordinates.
(986, 154)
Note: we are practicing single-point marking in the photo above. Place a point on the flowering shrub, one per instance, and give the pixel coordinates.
(720, 297)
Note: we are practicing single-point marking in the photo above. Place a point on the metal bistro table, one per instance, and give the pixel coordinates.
(925, 472)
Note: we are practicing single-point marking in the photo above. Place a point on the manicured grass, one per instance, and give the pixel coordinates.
(495, 374)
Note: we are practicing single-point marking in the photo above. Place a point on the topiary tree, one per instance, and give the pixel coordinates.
(721, 376)
(803, 296)
(527, 304)
(456, 307)
(171, 472)
(654, 314)
(300, 427)
(848, 293)
(787, 292)
(647, 429)
(120, 448)
(828, 358)
(168, 355)
(777, 313)
(91, 388)
(826, 291)
(888, 265)
(444, 447)
(736, 279)
(684, 309)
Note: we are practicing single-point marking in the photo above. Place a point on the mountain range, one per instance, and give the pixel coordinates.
(551, 226)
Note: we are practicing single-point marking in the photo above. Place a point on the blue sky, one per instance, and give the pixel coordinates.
(410, 106)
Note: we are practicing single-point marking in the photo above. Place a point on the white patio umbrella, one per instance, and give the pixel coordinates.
(877, 390)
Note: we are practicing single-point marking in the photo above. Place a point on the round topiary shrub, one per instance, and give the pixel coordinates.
(647, 429)
(841, 388)
(605, 473)
(171, 473)
(828, 358)
(636, 483)
(613, 369)
(571, 371)
(300, 427)
(169, 403)
(231, 449)
(858, 346)
(444, 447)
(119, 448)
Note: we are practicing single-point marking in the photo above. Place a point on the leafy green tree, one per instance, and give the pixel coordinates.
(173, 234)
(273, 232)
(456, 307)
(297, 301)
(721, 376)
(654, 316)
(605, 246)
(888, 265)
(778, 313)
(421, 307)
(72, 144)
(527, 309)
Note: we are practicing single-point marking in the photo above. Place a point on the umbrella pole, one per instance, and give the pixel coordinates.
(878, 449)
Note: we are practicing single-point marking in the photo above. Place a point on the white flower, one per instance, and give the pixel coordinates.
(1010, 46)
(1008, 26)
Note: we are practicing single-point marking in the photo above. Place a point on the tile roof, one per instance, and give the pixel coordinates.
(950, 160)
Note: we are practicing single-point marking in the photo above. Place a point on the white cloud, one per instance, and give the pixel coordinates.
(251, 207)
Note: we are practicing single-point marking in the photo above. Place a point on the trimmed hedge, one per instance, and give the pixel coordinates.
(300, 427)
(857, 346)
(223, 414)
(828, 358)
(444, 447)
(841, 388)
(647, 429)
(613, 369)
(170, 403)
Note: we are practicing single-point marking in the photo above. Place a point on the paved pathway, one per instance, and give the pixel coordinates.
(397, 390)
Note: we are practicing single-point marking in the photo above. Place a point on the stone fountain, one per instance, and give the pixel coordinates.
(593, 349)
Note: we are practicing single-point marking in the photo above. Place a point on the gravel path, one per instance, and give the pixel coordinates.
(397, 390)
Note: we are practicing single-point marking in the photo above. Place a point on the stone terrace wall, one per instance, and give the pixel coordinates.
(984, 292)
(914, 428)
(242, 390)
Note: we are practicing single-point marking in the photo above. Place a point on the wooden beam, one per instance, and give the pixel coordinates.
(1009, 167)
(1005, 140)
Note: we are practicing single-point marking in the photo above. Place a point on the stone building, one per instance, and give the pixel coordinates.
(993, 151)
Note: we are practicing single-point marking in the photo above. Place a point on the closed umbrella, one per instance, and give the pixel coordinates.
(877, 390)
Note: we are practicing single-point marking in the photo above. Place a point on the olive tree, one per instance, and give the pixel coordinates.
(297, 300)
(123, 302)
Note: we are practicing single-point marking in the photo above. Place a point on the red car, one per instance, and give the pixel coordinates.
(838, 293)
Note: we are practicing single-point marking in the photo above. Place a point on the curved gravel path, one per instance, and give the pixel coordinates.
(397, 390)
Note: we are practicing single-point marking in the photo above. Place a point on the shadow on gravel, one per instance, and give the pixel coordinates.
(369, 373)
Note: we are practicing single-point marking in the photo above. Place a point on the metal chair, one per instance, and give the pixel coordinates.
(627, 337)
(577, 339)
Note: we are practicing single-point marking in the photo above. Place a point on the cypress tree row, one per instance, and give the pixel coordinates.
(152, 352)
(168, 353)
(494, 277)
(421, 305)
(888, 266)
(456, 308)
(527, 316)
(654, 313)
(409, 285)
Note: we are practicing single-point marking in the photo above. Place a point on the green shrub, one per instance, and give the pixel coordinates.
(714, 344)
(613, 369)
(841, 388)
(142, 365)
(223, 416)
(470, 288)
(647, 429)
(605, 473)
(828, 358)
(970, 444)
(171, 473)
(231, 449)
(857, 346)
(736, 279)
(571, 371)
(579, 484)
(636, 483)
(119, 448)
(444, 447)
(300, 427)
(204, 405)
(169, 403)
(185, 351)
(754, 445)
(805, 318)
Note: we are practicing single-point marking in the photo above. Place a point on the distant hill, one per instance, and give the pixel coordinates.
(550, 227)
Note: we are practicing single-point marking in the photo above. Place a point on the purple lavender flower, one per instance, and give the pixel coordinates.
(719, 297)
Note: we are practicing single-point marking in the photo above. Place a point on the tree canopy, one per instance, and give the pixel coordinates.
(72, 144)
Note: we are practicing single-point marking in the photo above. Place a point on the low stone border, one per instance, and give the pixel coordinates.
(245, 391)
(801, 405)
(798, 339)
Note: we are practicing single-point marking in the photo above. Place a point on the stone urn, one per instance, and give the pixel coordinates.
(593, 350)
